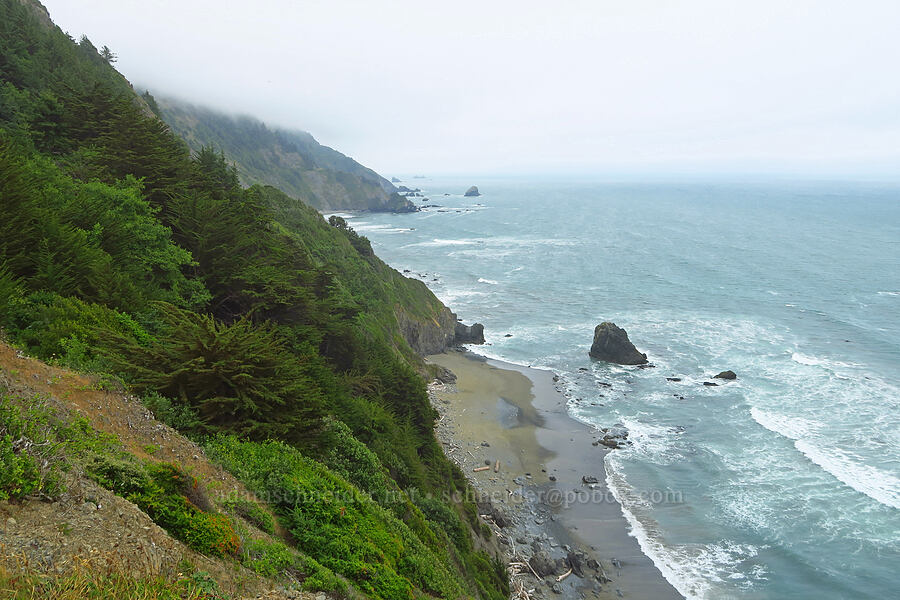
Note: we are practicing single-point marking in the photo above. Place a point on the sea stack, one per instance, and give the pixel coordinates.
(473, 191)
(611, 344)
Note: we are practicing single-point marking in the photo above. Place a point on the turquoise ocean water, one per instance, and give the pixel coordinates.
(789, 476)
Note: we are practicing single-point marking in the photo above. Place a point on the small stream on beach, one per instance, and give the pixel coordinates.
(783, 483)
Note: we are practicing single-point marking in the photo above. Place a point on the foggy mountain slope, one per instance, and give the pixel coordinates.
(292, 161)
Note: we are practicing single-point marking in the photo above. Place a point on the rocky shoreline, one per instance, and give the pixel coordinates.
(535, 471)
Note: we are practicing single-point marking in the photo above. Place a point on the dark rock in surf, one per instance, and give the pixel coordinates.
(728, 375)
(611, 344)
(469, 334)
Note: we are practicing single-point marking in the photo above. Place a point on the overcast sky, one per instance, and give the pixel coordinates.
(806, 86)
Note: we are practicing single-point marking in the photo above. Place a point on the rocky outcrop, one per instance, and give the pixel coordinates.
(469, 334)
(433, 336)
(39, 11)
(613, 437)
(727, 375)
(428, 336)
(543, 564)
(473, 191)
(611, 344)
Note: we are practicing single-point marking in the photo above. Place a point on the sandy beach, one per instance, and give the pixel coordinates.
(545, 482)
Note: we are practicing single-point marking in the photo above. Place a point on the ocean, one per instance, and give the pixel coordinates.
(789, 477)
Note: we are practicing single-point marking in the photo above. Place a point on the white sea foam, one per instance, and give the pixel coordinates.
(653, 443)
(365, 228)
(805, 360)
(889, 293)
(873, 482)
(692, 569)
(452, 296)
(792, 428)
(815, 361)
(438, 243)
(488, 281)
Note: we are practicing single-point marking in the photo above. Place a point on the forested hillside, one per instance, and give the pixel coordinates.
(292, 161)
(274, 339)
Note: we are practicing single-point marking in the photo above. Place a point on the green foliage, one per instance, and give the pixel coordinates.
(441, 515)
(66, 329)
(361, 243)
(337, 525)
(174, 500)
(174, 414)
(251, 512)
(29, 451)
(236, 377)
(275, 559)
(99, 242)
(36, 448)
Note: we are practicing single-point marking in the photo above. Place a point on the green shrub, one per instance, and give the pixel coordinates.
(29, 462)
(253, 513)
(176, 415)
(123, 475)
(441, 515)
(269, 558)
(67, 330)
(237, 377)
(174, 500)
(19, 475)
(337, 525)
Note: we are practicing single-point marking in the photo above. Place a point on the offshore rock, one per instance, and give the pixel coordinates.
(611, 344)
(473, 191)
(728, 375)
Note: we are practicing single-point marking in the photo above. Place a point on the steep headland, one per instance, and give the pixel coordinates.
(292, 161)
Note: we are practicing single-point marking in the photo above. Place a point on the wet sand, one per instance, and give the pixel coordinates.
(515, 415)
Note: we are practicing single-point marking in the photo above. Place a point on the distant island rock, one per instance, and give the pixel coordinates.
(395, 180)
(469, 334)
(473, 191)
(611, 344)
(727, 375)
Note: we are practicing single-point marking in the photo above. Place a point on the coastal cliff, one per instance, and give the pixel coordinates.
(292, 161)
(176, 304)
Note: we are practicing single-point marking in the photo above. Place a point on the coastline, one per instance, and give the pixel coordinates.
(513, 420)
